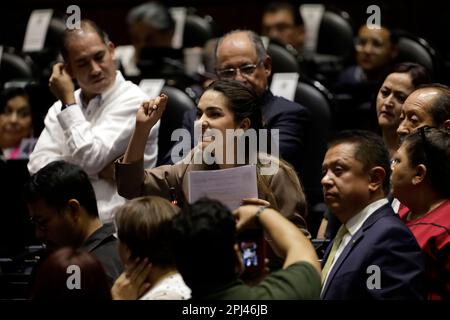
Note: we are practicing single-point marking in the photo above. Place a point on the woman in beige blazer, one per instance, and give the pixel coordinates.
(226, 104)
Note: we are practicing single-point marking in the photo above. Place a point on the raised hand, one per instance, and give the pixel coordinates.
(61, 84)
(150, 112)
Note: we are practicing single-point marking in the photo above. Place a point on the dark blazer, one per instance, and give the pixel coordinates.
(386, 242)
(278, 113)
(292, 120)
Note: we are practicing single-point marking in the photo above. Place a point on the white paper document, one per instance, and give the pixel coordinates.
(312, 18)
(229, 186)
(37, 30)
(284, 85)
(179, 15)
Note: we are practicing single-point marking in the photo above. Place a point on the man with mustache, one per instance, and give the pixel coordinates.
(91, 126)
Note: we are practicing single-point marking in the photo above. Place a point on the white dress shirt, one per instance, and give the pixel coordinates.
(395, 204)
(93, 136)
(353, 225)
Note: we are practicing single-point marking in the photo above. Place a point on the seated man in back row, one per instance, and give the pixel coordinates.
(240, 55)
(282, 21)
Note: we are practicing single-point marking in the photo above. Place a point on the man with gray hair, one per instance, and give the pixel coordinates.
(429, 105)
(240, 55)
(150, 26)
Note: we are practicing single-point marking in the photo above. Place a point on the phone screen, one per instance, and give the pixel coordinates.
(252, 247)
(249, 254)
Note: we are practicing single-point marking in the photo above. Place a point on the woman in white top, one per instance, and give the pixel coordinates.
(144, 231)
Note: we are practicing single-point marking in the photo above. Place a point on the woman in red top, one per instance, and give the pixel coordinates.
(421, 181)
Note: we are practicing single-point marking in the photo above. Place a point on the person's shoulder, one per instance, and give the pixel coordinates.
(127, 90)
(297, 267)
(285, 105)
(387, 228)
(300, 280)
(440, 215)
(266, 160)
(133, 89)
(271, 166)
(434, 227)
(170, 288)
(350, 75)
(385, 218)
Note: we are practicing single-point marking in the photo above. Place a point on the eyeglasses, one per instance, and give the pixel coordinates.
(42, 222)
(245, 70)
(39, 223)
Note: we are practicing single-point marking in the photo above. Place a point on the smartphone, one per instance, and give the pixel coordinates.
(253, 251)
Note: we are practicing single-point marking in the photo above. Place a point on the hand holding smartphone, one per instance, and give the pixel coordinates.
(253, 251)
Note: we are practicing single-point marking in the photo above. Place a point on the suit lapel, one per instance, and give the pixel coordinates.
(348, 248)
(356, 238)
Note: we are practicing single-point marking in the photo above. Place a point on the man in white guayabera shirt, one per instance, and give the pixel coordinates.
(91, 126)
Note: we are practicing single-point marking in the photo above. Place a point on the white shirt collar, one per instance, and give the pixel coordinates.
(117, 82)
(355, 223)
(108, 92)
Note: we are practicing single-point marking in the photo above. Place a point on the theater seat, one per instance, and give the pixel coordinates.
(335, 34)
(334, 48)
(197, 31)
(418, 50)
(282, 59)
(45, 58)
(317, 99)
(172, 118)
(14, 66)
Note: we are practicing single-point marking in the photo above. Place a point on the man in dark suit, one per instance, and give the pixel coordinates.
(240, 55)
(374, 255)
